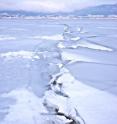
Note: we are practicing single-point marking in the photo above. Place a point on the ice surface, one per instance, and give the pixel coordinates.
(94, 105)
(38, 53)
(51, 37)
(20, 54)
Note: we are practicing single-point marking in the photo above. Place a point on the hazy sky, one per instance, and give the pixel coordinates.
(50, 5)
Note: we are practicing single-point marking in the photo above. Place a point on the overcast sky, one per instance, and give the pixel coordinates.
(50, 5)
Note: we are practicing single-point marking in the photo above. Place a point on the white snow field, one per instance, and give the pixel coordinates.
(58, 72)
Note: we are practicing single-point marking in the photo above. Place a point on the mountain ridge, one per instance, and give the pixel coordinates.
(105, 9)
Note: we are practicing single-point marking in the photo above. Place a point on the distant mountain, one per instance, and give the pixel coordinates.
(19, 13)
(109, 9)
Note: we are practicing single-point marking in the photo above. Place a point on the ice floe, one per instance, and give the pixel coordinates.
(75, 57)
(93, 46)
(84, 44)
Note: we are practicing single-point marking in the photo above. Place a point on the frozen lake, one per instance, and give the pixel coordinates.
(25, 36)
(32, 50)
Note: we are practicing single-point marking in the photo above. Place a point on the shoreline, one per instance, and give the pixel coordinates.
(57, 18)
